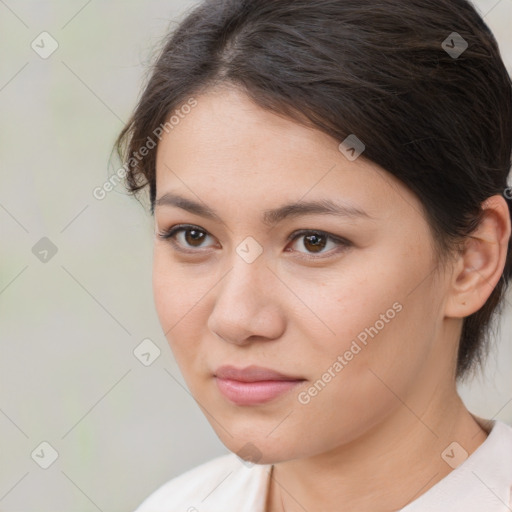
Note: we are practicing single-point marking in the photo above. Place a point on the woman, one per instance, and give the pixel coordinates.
(332, 243)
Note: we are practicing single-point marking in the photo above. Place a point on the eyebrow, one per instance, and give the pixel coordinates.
(272, 216)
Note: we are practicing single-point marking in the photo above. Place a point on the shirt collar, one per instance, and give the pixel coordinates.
(482, 483)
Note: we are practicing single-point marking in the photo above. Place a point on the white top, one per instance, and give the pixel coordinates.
(482, 483)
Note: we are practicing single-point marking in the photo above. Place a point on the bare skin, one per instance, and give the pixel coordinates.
(392, 409)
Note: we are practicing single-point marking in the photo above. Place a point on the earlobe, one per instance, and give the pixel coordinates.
(481, 263)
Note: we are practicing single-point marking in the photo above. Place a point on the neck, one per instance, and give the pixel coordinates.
(406, 448)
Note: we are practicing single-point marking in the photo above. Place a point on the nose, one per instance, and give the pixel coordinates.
(247, 306)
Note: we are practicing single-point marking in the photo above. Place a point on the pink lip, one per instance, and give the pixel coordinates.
(253, 384)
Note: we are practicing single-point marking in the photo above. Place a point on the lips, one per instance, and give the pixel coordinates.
(253, 385)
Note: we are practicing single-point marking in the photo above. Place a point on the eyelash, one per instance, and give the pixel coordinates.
(343, 244)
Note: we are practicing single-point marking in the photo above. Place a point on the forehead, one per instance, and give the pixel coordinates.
(225, 121)
(227, 145)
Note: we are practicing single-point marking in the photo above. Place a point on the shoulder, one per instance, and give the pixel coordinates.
(212, 485)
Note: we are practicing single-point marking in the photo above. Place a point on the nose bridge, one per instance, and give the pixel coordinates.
(248, 264)
(244, 285)
(245, 301)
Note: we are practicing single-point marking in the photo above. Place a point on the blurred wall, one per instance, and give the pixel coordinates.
(75, 271)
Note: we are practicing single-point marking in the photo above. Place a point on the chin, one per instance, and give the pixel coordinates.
(257, 447)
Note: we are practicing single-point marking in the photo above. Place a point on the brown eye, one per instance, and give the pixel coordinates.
(315, 242)
(308, 243)
(186, 237)
(194, 237)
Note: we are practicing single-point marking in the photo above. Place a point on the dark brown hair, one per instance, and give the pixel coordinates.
(390, 72)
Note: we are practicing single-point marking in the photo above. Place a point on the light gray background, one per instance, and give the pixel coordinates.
(69, 325)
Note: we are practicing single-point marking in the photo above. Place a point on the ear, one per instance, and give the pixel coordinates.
(480, 266)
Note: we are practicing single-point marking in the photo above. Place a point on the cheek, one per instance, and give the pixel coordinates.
(171, 308)
(182, 304)
(166, 284)
(343, 307)
(177, 291)
(368, 319)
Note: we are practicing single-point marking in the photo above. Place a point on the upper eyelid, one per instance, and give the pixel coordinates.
(298, 232)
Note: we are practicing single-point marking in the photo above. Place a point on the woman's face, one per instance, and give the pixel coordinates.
(355, 312)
